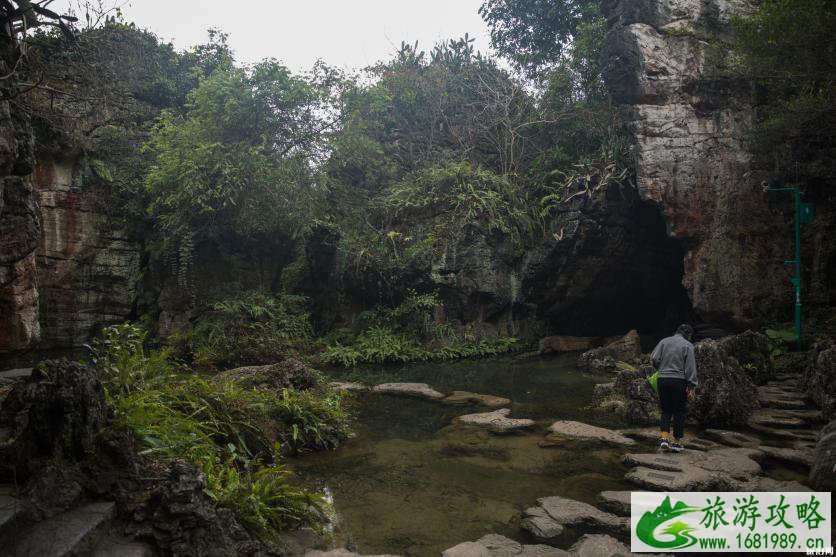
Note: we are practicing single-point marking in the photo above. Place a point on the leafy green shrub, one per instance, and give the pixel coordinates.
(248, 328)
(778, 340)
(220, 427)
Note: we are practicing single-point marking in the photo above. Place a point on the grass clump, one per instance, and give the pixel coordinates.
(220, 427)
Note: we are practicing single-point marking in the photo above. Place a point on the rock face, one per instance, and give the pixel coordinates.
(819, 379)
(88, 264)
(626, 349)
(19, 226)
(689, 124)
(823, 471)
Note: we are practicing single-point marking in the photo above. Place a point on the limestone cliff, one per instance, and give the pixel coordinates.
(19, 226)
(690, 121)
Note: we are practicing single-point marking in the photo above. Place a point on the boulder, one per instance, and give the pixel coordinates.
(726, 395)
(823, 471)
(463, 398)
(819, 378)
(288, 374)
(552, 515)
(496, 421)
(751, 350)
(56, 414)
(562, 343)
(626, 349)
(417, 390)
(567, 429)
(494, 545)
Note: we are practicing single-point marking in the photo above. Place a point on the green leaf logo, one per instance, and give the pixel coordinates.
(681, 531)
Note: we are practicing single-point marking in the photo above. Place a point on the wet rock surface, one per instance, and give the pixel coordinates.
(496, 421)
(726, 394)
(567, 429)
(417, 390)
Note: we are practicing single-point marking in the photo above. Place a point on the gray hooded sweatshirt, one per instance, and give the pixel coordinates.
(674, 357)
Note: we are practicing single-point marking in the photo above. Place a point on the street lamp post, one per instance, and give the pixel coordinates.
(803, 215)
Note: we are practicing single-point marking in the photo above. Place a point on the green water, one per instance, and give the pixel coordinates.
(409, 483)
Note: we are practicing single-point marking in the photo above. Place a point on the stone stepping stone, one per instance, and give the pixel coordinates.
(417, 390)
(567, 429)
(69, 533)
(733, 438)
(552, 515)
(341, 552)
(776, 418)
(463, 398)
(693, 470)
(796, 434)
(617, 502)
(347, 386)
(599, 545)
(496, 421)
(786, 454)
(652, 435)
(16, 373)
(780, 402)
(494, 545)
(689, 479)
(764, 483)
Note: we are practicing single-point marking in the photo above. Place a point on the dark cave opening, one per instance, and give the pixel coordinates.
(619, 271)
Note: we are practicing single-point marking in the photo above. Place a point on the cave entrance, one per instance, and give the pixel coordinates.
(620, 271)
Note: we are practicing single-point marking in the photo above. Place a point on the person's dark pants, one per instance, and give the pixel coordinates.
(674, 403)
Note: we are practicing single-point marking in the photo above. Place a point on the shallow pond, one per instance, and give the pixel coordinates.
(409, 483)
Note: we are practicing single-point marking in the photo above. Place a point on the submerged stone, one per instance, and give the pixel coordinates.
(418, 390)
(496, 421)
(462, 398)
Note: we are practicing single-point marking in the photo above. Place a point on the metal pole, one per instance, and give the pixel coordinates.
(797, 192)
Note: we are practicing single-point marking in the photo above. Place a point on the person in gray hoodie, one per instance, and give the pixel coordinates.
(674, 359)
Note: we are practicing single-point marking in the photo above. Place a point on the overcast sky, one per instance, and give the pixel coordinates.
(349, 34)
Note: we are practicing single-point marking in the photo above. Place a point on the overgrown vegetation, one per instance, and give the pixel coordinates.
(247, 327)
(409, 333)
(220, 427)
